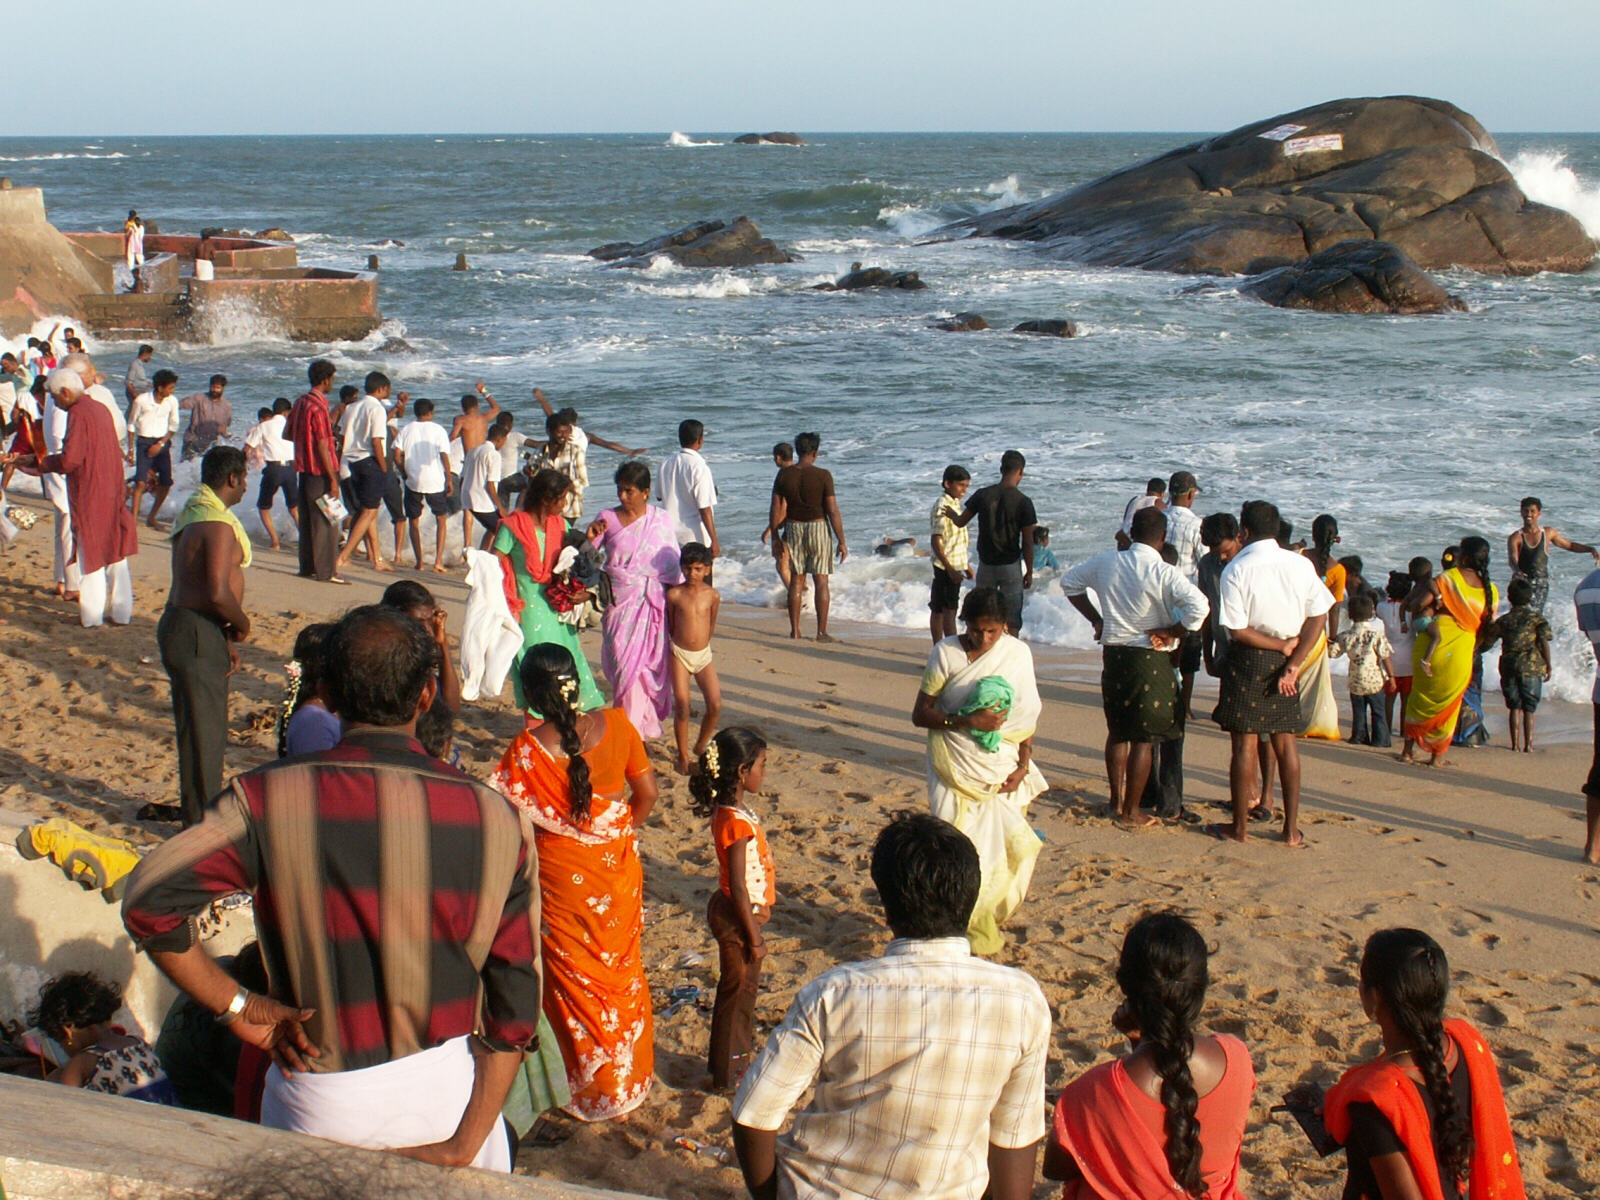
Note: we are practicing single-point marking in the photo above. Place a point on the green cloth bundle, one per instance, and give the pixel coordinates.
(993, 692)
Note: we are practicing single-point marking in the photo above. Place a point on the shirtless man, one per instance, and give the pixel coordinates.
(472, 429)
(1528, 550)
(691, 620)
(202, 625)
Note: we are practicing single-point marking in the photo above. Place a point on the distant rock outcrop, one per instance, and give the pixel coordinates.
(859, 277)
(768, 139)
(963, 322)
(1355, 277)
(1418, 173)
(1055, 327)
(703, 244)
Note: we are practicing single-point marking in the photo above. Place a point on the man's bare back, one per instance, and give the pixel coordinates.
(473, 427)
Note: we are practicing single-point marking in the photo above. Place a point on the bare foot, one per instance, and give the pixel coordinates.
(438, 569)
(1295, 840)
(681, 765)
(382, 568)
(826, 637)
(277, 546)
(1135, 824)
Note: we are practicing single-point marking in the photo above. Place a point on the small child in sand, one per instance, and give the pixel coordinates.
(1421, 603)
(691, 621)
(75, 1011)
(725, 779)
(1524, 660)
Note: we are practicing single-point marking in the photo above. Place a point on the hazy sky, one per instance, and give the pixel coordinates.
(407, 66)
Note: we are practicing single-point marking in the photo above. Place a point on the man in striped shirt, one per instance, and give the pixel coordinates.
(397, 903)
(1587, 599)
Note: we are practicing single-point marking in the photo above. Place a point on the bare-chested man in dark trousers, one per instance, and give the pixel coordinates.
(201, 626)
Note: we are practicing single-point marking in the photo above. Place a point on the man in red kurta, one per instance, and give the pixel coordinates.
(102, 527)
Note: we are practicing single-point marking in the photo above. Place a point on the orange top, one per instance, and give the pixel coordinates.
(730, 825)
(1495, 1172)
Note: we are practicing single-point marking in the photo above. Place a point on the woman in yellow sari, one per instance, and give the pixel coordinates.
(980, 703)
(1466, 601)
(1319, 709)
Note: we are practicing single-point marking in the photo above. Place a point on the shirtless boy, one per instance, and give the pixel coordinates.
(472, 429)
(691, 620)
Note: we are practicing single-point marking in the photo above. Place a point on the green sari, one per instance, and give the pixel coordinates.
(532, 549)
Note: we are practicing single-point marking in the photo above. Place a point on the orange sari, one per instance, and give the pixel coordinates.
(1495, 1173)
(592, 889)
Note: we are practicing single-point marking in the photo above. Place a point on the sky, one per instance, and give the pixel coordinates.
(724, 66)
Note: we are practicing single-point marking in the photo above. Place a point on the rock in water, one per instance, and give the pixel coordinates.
(395, 345)
(1415, 172)
(859, 277)
(1049, 328)
(964, 322)
(703, 244)
(768, 139)
(275, 234)
(1355, 277)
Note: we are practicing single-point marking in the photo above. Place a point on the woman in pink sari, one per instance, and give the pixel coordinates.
(641, 548)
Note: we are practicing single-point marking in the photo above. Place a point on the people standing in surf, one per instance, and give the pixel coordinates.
(1006, 521)
(1466, 601)
(805, 507)
(1528, 550)
(782, 458)
(948, 543)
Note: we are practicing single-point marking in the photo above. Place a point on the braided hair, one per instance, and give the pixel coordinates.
(1474, 556)
(1407, 969)
(1162, 973)
(304, 672)
(550, 687)
(714, 781)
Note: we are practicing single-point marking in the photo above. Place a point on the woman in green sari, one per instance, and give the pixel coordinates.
(529, 541)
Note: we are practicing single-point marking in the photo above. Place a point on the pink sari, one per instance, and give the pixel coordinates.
(642, 561)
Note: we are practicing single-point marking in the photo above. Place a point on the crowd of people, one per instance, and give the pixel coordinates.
(444, 956)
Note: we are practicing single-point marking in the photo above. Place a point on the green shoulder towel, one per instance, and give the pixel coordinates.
(993, 691)
(206, 505)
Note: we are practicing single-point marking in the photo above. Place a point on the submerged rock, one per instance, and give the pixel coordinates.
(1055, 327)
(768, 139)
(1418, 173)
(859, 277)
(1355, 277)
(395, 345)
(275, 234)
(963, 322)
(703, 244)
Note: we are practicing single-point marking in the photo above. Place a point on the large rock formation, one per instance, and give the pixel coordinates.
(768, 139)
(703, 244)
(1416, 172)
(42, 273)
(1355, 277)
(859, 277)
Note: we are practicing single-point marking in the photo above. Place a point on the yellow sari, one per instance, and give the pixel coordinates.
(1319, 711)
(1435, 700)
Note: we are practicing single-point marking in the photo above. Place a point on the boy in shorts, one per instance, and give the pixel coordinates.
(422, 451)
(782, 456)
(951, 563)
(1524, 660)
(691, 620)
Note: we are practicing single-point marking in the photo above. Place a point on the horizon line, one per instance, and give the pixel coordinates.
(668, 132)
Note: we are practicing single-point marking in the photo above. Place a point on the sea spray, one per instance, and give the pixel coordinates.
(1547, 178)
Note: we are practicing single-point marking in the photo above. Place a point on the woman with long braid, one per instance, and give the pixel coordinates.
(584, 782)
(1166, 1119)
(1426, 1119)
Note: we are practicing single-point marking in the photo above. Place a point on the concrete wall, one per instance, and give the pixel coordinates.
(41, 273)
(303, 303)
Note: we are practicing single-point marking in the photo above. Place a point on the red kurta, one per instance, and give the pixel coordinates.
(103, 529)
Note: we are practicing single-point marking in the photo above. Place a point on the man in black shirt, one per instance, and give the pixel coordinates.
(1006, 521)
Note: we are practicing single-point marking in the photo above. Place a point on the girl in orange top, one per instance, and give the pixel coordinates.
(584, 782)
(1167, 1119)
(727, 775)
(1425, 1119)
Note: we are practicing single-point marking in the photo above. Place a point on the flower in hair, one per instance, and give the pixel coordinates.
(569, 690)
(711, 756)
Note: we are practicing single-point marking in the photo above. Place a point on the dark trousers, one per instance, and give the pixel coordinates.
(1591, 785)
(1368, 725)
(319, 538)
(733, 1019)
(1163, 791)
(194, 651)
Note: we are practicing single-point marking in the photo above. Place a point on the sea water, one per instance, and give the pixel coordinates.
(1413, 431)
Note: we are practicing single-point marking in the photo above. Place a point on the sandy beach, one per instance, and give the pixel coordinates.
(1482, 853)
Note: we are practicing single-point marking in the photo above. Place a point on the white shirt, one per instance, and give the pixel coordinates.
(103, 394)
(683, 487)
(425, 447)
(456, 456)
(511, 454)
(53, 484)
(1390, 613)
(921, 1059)
(479, 476)
(1138, 592)
(366, 421)
(1183, 535)
(1134, 505)
(1271, 590)
(275, 448)
(152, 418)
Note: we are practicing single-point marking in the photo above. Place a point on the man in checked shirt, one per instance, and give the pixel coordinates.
(397, 903)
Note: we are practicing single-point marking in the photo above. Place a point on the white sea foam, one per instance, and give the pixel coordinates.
(683, 139)
(1005, 192)
(721, 286)
(1545, 176)
(908, 220)
(58, 156)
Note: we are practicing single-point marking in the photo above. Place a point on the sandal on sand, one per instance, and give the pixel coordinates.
(1184, 817)
(1261, 813)
(339, 579)
(1223, 833)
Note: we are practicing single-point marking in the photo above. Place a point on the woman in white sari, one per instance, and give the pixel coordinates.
(981, 791)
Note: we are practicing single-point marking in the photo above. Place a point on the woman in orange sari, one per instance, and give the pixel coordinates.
(584, 782)
(1465, 602)
(1427, 1117)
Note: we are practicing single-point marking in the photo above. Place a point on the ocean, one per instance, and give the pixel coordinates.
(1413, 431)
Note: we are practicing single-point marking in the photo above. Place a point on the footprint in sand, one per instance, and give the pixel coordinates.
(859, 797)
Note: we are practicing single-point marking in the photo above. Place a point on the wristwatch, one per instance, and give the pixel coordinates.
(235, 1008)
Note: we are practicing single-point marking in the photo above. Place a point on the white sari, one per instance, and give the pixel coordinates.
(964, 779)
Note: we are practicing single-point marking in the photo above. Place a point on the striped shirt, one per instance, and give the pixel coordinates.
(308, 427)
(921, 1060)
(394, 895)
(1587, 601)
(952, 547)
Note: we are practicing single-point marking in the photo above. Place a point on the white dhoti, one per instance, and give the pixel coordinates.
(413, 1101)
(94, 602)
(66, 570)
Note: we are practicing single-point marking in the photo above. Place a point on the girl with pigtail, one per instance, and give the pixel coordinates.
(1168, 1118)
(728, 773)
(305, 722)
(1426, 1119)
(584, 782)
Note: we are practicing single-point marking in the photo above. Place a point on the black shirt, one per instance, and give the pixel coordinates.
(1371, 1136)
(1003, 513)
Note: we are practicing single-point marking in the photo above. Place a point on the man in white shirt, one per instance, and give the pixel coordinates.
(1146, 608)
(1183, 535)
(1154, 497)
(152, 424)
(366, 428)
(480, 480)
(423, 450)
(277, 467)
(1274, 608)
(684, 487)
(928, 1063)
